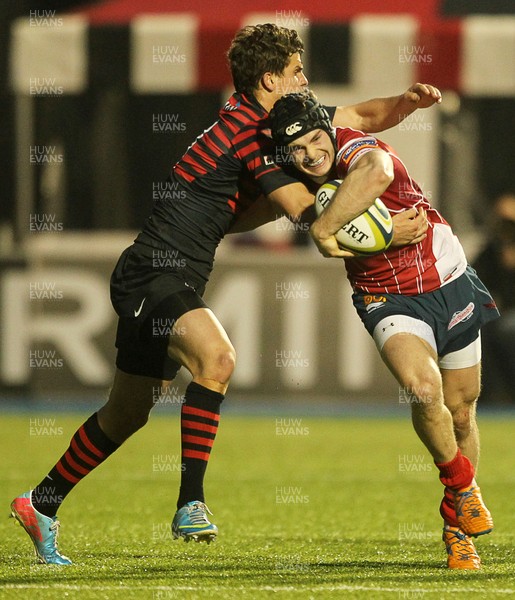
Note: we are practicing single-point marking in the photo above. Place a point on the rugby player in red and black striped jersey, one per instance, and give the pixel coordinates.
(158, 283)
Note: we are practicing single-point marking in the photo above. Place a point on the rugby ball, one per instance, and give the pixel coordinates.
(368, 233)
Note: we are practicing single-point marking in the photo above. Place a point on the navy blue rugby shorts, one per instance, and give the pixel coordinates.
(453, 315)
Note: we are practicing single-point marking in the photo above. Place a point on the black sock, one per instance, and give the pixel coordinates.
(88, 448)
(200, 415)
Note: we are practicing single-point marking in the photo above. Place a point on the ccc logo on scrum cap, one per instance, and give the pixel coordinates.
(293, 128)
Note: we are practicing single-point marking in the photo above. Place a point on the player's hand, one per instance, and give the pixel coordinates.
(329, 247)
(409, 227)
(423, 94)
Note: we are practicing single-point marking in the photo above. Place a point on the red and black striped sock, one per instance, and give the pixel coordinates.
(88, 448)
(200, 415)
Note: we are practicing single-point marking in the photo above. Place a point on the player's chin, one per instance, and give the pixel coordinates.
(317, 172)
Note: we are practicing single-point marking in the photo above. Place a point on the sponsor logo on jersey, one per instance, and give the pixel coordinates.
(232, 104)
(461, 315)
(373, 302)
(365, 142)
(293, 128)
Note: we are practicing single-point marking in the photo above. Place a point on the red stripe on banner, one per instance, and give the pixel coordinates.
(191, 410)
(82, 456)
(442, 52)
(187, 453)
(195, 439)
(65, 473)
(85, 440)
(231, 14)
(213, 71)
(199, 426)
(74, 465)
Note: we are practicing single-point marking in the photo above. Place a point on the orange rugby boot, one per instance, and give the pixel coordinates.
(461, 552)
(473, 517)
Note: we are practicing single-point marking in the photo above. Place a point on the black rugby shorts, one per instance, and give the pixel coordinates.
(149, 301)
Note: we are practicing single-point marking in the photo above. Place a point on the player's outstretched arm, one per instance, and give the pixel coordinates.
(382, 113)
(259, 213)
(290, 200)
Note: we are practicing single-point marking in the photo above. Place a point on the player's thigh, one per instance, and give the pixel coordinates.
(412, 361)
(200, 340)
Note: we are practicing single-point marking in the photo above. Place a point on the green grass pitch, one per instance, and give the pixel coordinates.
(307, 507)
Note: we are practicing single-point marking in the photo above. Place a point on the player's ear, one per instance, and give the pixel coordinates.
(268, 81)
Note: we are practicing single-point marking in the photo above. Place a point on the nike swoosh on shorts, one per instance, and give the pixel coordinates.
(137, 312)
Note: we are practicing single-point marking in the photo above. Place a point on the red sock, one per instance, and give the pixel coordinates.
(447, 509)
(457, 473)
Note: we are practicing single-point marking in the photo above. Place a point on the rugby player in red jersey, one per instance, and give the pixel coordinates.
(423, 305)
(161, 278)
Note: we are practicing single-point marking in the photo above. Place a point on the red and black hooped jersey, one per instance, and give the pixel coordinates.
(225, 169)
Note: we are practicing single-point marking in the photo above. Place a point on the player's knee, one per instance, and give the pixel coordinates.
(138, 419)
(219, 363)
(223, 364)
(133, 418)
(463, 417)
(424, 391)
(120, 423)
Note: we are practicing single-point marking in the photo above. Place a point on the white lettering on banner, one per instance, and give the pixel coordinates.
(290, 334)
(356, 365)
(71, 333)
(300, 324)
(237, 302)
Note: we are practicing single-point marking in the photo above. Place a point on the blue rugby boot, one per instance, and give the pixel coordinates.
(191, 523)
(42, 530)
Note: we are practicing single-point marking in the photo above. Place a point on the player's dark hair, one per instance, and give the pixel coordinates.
(294, 115)
(258, 49)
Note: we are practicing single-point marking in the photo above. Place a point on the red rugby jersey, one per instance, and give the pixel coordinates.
(409, 270)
